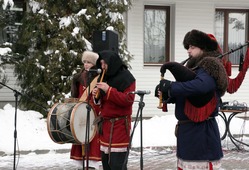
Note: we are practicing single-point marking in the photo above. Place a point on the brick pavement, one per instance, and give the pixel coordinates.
(160, 158)
(164, 158)
(157, 159)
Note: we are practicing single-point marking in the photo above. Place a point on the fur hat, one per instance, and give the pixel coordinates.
(90, 56)
(200, 39)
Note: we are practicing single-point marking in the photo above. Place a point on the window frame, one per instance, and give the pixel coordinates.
(9, 32)
(167, 33)
(226, 12)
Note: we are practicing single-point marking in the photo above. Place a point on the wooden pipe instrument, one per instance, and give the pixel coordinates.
(101, 80)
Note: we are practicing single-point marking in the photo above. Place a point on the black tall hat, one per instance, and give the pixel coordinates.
(199, 39)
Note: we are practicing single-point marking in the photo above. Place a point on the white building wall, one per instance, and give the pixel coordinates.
(185, 16)
(7, 95)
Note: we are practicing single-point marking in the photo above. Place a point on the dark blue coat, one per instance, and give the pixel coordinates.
(196, 141)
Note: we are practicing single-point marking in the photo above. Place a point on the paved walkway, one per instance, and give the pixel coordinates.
(162, 158)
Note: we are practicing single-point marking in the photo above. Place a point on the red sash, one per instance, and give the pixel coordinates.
(199, 114)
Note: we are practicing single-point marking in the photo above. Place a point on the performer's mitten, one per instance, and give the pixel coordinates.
(156, 90)
(164, 87)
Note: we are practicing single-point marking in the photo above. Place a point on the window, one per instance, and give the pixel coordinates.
(156, 34)
(231, 31)
(12, 21)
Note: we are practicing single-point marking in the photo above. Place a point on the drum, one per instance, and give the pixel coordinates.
(66, 123)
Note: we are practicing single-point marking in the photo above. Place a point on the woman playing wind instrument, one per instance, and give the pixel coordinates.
(115, 110)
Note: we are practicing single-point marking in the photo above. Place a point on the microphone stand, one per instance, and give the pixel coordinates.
(16, 94)
(141, 105)
(88, 107)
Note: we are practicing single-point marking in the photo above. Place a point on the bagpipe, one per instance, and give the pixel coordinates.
(199, 108)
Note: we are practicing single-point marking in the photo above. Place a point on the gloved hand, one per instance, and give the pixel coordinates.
(156, 90)
(164, 87)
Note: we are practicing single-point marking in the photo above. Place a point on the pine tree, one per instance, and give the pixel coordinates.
(51, 41)
(7, 21)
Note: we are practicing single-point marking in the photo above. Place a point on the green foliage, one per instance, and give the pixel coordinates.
(49, 52)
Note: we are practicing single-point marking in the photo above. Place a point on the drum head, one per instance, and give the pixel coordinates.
(79, 123)
(58, 123)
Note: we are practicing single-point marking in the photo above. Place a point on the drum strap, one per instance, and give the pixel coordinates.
(84, 96)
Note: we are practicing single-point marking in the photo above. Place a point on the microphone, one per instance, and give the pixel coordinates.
(95, 70)
(140, 92)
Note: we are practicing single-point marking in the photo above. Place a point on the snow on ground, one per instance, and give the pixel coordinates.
(38, 151)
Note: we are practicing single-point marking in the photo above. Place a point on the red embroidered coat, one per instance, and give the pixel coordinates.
(117, 104)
